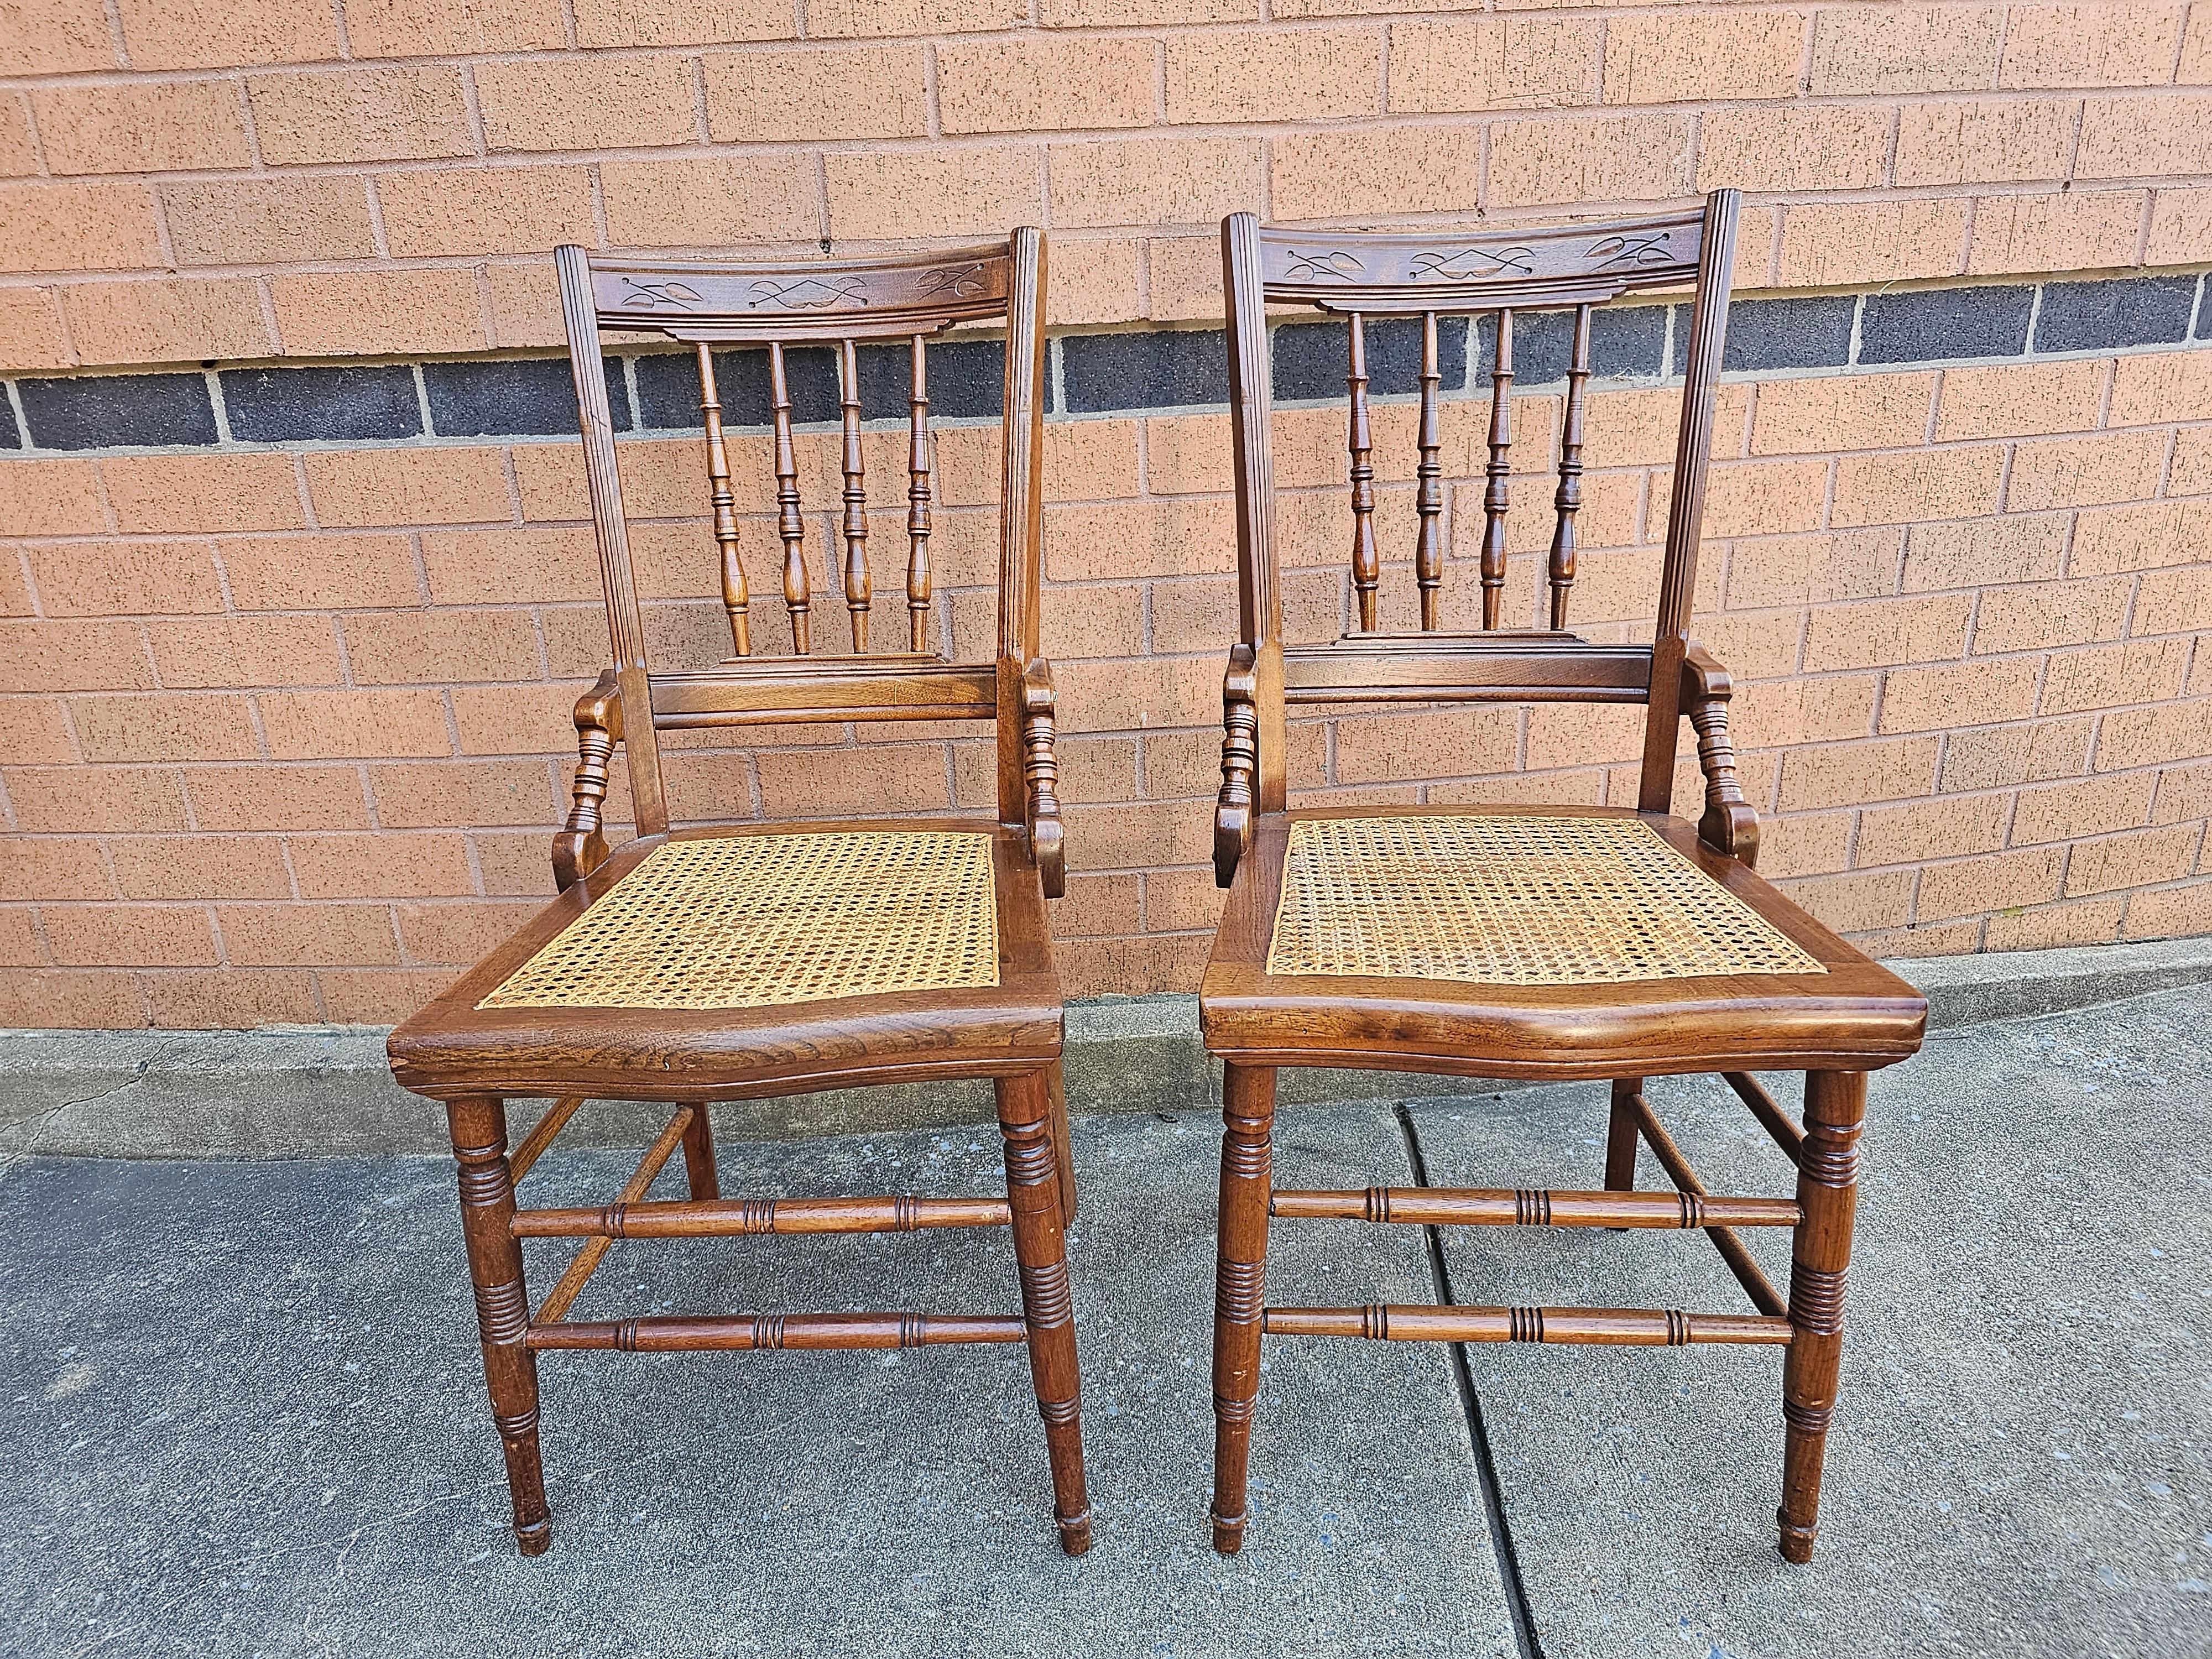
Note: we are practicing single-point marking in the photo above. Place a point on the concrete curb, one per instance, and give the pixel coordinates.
(296, 1091)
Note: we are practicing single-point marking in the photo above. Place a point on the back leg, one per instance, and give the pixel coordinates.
(1620, 1138)
(699, 1155)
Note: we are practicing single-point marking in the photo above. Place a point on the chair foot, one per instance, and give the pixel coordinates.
(1796, 1545)
(535, 1539)
(1228, 1533)
(1074, 1533)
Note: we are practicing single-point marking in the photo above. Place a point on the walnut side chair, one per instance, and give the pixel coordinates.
(1530, 942)
(746, 960)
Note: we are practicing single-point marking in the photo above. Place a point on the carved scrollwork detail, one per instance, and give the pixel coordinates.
(1649, 249)
(1471, 262)
(953, 282)
(1329, 265)
(806, 293)
(655, 296)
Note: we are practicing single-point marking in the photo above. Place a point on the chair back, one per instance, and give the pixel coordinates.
(1362, 275)
(871, 314)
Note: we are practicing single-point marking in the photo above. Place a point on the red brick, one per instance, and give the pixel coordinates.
(355, 867)
(323, 572)
(231, 998)
(2154, 735)
(163, 495)
(1998, 757)
(415, 28)
(2142, 859)
(1959, 482)
(1850, 775)
(72, 226)
(141, 126)
(165, 727)
(1959, 693)
(586, 102)
(105, 799)
(2092, 45)
(2170, 913)
(277, 797)
(333, 724)
(51, 867)
(2112, 466)
(200, 866)
(217, 34)
(47, 36)
(409, 112)
(125, 579)
(1949, 826)
(355, 488)
(459, 933)
(2093, 922)
(226, 651)
(307, 935)
(1978, 551)
(1995, 882)
(72, 656)
(274, 220)
(439, 647)
(465, 794)
(2105, 677)
(1905, 49)
(2039, 616)
(1882, 633)
(129, 935)
(535, 719)
(1570, 159)
(2092, 806)
(807, 95)
(1820, 569)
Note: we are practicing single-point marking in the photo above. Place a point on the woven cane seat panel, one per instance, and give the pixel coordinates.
(751, 922)
(1511, 900)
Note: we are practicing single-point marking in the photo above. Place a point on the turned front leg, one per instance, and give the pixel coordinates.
(1828, 1189)
(1240, 1288)
(1047, 1301)
(478, 1123)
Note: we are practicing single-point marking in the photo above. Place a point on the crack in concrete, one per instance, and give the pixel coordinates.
(1477, 1433)
(36, 1122)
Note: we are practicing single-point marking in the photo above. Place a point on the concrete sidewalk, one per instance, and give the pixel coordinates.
(249, 1418)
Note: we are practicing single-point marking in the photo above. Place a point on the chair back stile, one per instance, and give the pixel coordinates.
(910, 299)
(1366, 277)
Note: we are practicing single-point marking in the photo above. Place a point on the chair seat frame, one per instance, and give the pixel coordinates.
(476, 1060)
(1834, 1028)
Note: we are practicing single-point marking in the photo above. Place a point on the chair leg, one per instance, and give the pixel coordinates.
(1240, 1286)
(699, 1155)
(1047, 1302)
(1061, 1144)
(1827, 1188)
(478, 1123)
(1620, 1137)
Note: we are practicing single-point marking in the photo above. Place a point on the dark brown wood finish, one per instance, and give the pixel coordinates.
(1834, 1025)
(475, 1058)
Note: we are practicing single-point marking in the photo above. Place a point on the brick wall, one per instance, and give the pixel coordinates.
(297, 589)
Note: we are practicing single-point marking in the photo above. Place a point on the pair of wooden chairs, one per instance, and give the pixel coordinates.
(692, 966)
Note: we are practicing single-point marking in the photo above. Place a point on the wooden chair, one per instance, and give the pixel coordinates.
(1549, 943)
(752, 960)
